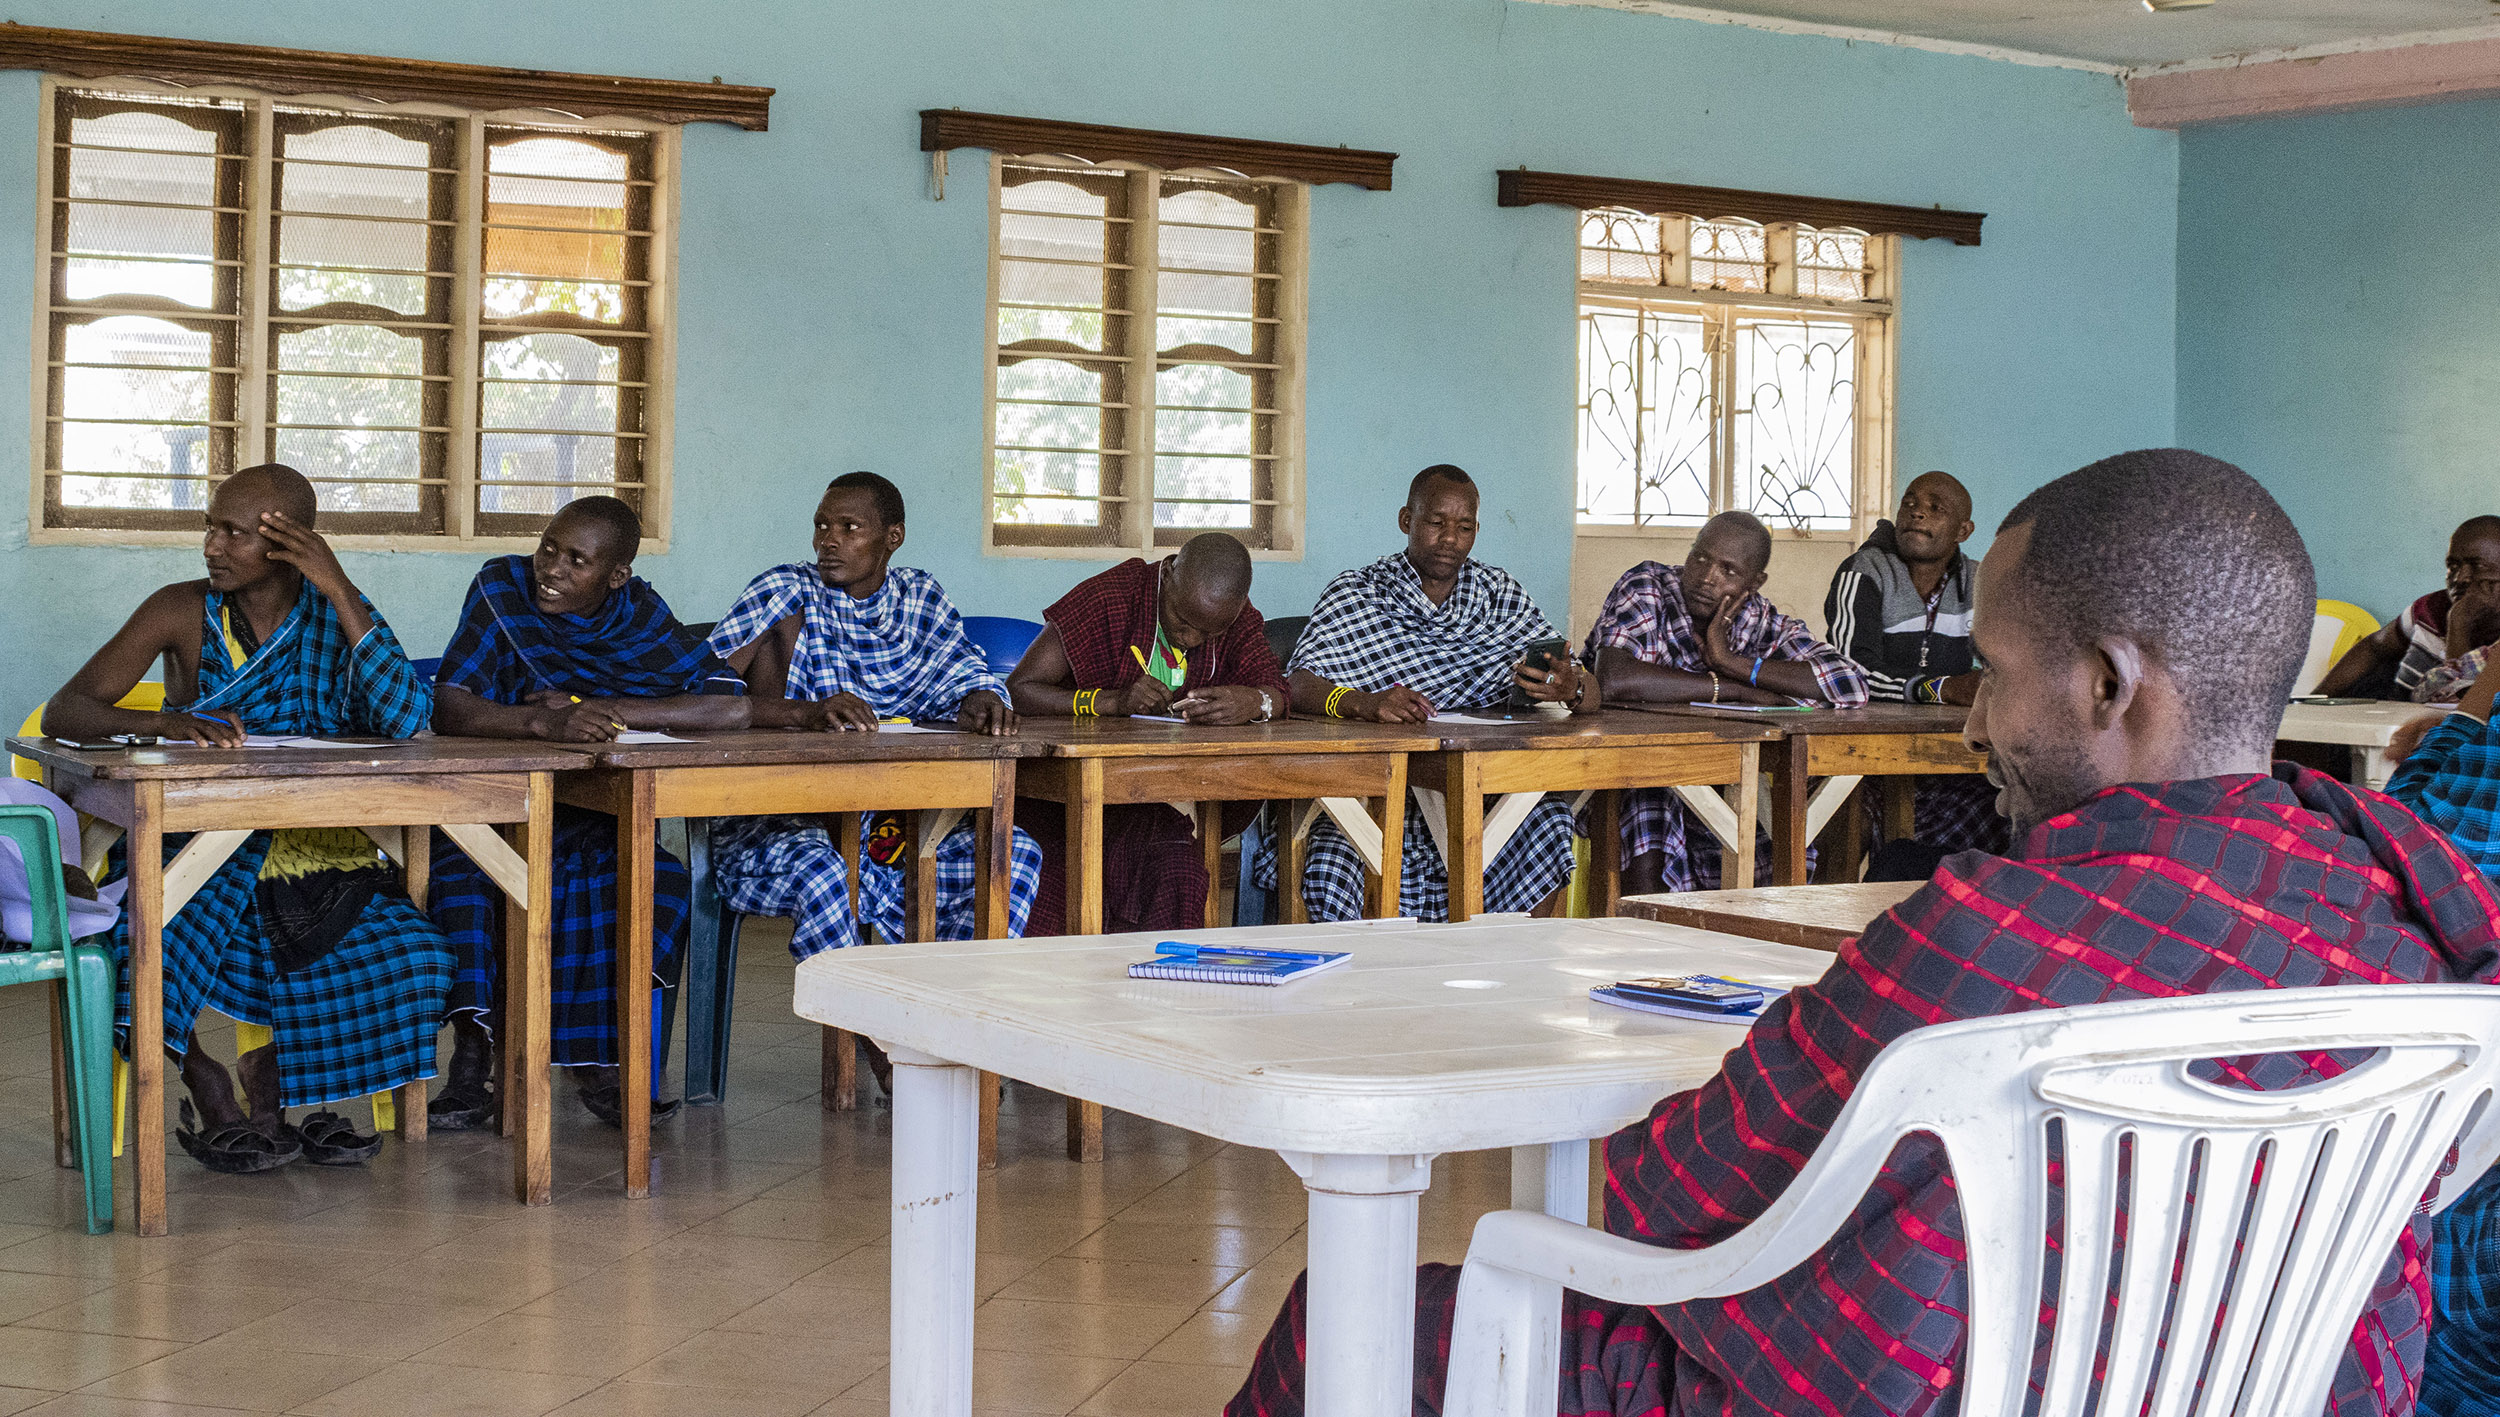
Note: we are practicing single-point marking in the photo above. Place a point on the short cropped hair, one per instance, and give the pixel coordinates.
(887, 497)
(2484, 525)
(1438, 472)
(613, 515)
(289, 489)
(2187, 556)
(1746, 525)
(1216, 564)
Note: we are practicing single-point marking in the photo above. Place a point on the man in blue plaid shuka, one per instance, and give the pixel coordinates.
(352, 987)
(1650, 616)
(518, 646)
(889, 639)
(1375, 629)
(2452, 781)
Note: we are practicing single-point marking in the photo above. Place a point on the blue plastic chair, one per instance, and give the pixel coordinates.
(425, 668)
(84, 974)
(1001, 639)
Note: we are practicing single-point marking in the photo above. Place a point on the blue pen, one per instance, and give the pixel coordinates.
(1182, 949)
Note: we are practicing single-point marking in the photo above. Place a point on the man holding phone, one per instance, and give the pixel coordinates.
(1432, 630)
(1175, 638)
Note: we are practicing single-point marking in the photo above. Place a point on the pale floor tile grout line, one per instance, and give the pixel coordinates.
(334, 1292)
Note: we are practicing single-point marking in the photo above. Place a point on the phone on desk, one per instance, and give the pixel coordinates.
(1696, 991)
(1548, 654)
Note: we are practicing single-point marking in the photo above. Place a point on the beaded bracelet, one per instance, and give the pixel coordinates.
(1083, 705)
(1335, 697)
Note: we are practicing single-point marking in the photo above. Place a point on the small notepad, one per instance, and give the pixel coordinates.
(1219, 964)
(1605, 994)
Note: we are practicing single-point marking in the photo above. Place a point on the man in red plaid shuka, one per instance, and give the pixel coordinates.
(2141, 621)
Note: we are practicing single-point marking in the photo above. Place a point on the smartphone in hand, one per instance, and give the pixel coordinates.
(1547, 654)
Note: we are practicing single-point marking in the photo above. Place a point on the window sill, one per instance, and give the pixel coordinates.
(1655, 532)
(1111, 554)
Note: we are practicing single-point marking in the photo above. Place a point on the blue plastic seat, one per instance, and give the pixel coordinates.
(1002, 639)
(425, 668)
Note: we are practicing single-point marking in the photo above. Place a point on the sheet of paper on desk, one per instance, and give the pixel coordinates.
(912, 728)
(646, 735)
(280, 740)
(1155, 718)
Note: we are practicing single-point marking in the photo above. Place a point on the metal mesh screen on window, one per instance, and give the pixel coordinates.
(1060, 409)
(565, 322)
(1216, 326)
(146, 243)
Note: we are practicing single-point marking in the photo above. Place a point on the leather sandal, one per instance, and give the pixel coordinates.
(606, 1102)
(329, 1140)
(237, 1150)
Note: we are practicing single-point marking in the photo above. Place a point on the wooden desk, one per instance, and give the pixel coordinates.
(1896, 742)
(1602, 753)
(221, 796)
(774, 772)
(1101, 762)
(1816, 917)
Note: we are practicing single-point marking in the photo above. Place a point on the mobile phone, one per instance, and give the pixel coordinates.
(1547, 654)
(1693, 991)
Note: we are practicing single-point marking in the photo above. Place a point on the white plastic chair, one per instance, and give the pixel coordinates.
(2346, 1163)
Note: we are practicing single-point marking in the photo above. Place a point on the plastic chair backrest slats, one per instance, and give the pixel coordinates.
(2221, 1242)
(38, 838)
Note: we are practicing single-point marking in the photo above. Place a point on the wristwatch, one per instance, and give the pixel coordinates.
(1267, 705)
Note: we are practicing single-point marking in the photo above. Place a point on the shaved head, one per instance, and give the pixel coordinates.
(1942, 484)
(1439, 474)
(2186, 557)
(1742, 535)
(619, 527)
(279, 488)
(1213, 567)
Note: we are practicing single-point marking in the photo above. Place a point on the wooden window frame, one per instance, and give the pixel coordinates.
(1137, 532)
(1877, 359)
(254, 370)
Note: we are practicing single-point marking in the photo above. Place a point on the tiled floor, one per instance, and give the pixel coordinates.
(751, 1284)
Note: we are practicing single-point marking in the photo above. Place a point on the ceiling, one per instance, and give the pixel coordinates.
(2117, 33)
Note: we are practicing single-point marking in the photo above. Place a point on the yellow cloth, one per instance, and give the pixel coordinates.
(300, 851)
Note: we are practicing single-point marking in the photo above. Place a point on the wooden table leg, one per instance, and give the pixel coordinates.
(1466, 811)
(1085, 918)
(920, 884)
(1788, 815)
(989, 1121)
(146, 904)
(837, 1075)
(527, 976)
(1292, 857)
(1390, 880)
(1748, 805)
(636, 879)
(994, 878)
(1606, 851)
(416, 854)
(1211, 852)
(1900, 799)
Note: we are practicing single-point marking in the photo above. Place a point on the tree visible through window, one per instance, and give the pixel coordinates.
(443, 321)
(1145, 361)
(1725, 364)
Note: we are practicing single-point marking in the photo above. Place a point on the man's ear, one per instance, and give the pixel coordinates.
(1756, 581)
(2117, 667)
(620, 574)
(1966, 532)
(894, 538)
(1406, 521)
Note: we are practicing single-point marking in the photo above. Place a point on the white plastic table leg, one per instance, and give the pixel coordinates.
(937, 1177)
(2370, 767)
(1553, 1179)
(1360, 1356)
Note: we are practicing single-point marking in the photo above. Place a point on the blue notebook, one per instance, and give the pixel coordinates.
(1605, 994)
(1233, 964)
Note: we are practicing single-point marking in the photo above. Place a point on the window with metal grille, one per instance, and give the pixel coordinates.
(1726, 365)
(446, 320)
(1145, 360)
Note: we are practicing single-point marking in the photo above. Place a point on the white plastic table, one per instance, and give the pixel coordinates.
(1433, 1038)
(2364, 728)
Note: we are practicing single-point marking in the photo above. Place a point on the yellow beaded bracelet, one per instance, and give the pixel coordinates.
(1336, 696)
(1083, 706)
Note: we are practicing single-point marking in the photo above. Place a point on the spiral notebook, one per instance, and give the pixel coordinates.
(1221, 964)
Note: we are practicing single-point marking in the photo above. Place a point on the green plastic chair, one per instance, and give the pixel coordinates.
(85, 976)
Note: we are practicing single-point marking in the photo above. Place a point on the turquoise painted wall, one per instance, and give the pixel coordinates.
(830, 314)
(2339, 328)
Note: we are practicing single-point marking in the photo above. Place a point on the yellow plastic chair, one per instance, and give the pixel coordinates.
(2357, 624)
(149, 697)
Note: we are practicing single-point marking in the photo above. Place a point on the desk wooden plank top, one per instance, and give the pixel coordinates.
(750, 747)
(1131, 738)
(1816, 722)
(1816, 917)
(1608, 728)
(386, 757)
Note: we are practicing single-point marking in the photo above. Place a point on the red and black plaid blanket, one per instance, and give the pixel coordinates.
(1104, 617)
(2247, 882)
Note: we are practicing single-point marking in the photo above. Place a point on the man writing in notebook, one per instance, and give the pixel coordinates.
(2140, 622)
(1173, 638)
(870, 641)
(302, 931)
(568, 645)
(1900, 608)
(1430, 629)
(1702, 633)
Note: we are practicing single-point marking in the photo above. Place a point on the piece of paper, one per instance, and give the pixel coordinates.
(280, 740)
(1155, 718)
(912, 728)
(646, 735)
